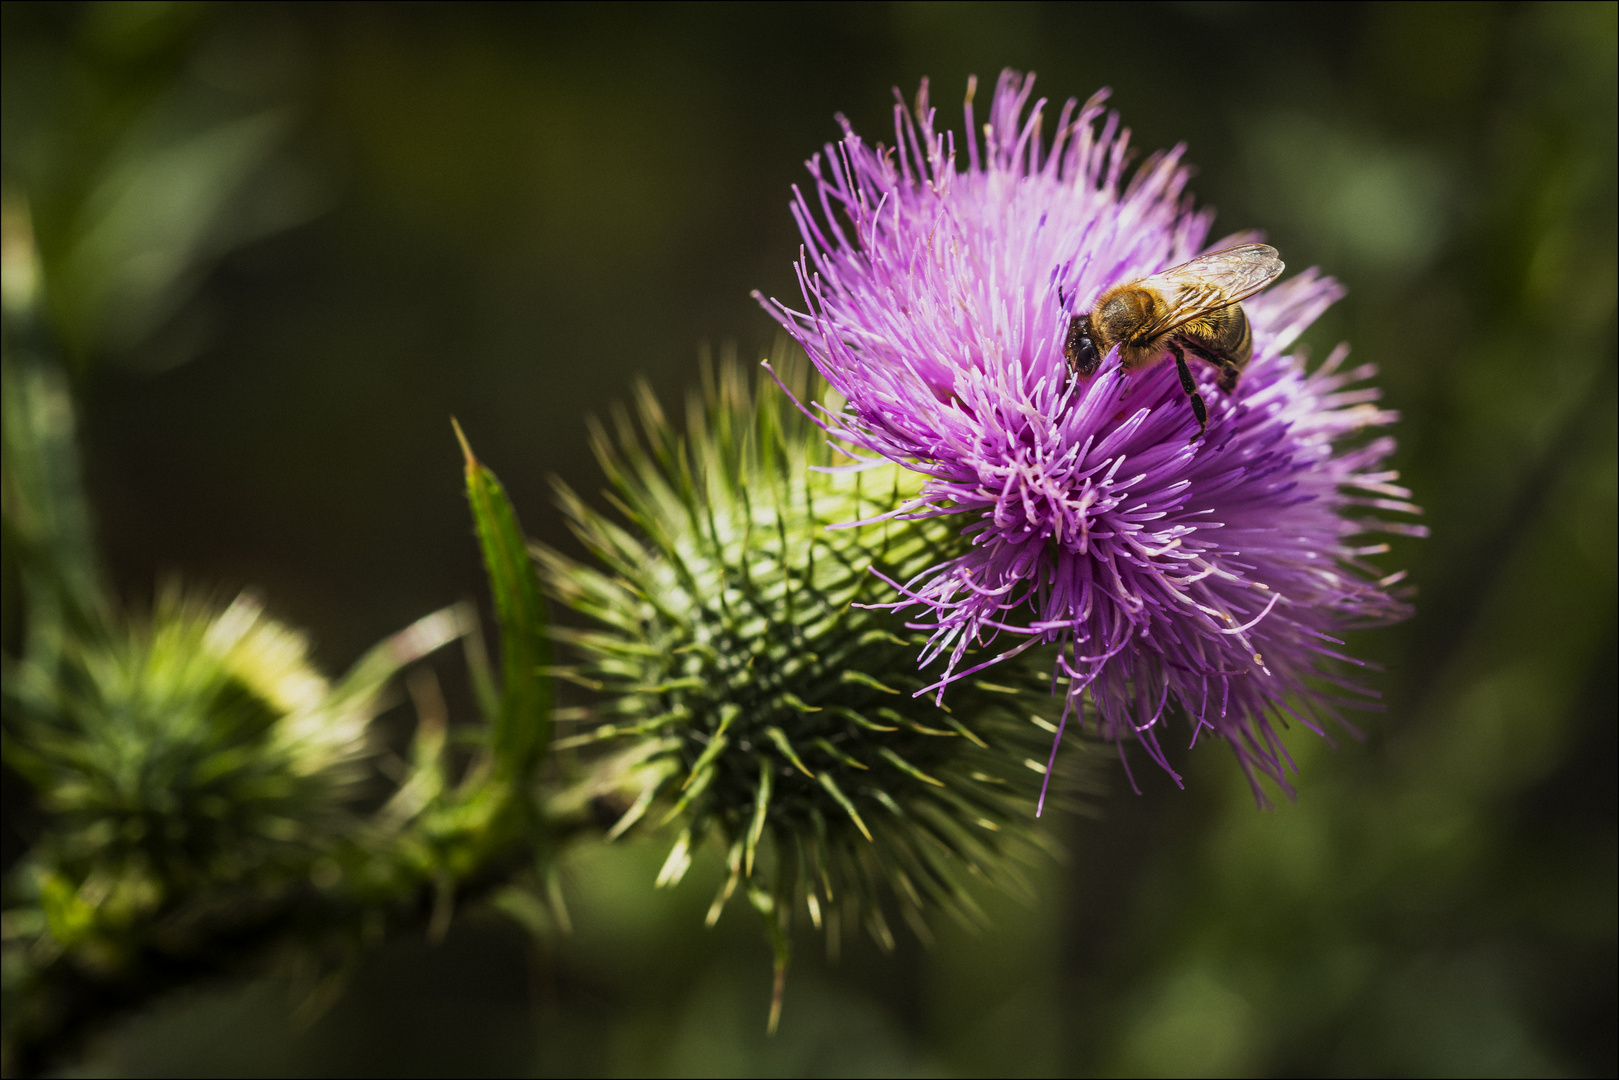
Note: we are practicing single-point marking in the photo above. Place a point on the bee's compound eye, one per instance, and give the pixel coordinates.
(1083, 355)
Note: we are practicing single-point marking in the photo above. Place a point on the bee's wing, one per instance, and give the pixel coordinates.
(1209, 282)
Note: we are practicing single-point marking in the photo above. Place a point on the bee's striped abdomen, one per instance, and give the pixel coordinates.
(1225, 338)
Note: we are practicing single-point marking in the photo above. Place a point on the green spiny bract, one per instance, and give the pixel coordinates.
(761, 700)
(193, 751)
(198, 779)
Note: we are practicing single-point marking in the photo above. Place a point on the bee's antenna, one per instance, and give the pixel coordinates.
(1062, 299)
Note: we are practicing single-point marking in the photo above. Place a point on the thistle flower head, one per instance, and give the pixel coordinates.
(757, 699)
(1210, 576)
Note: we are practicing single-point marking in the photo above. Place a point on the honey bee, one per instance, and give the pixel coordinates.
(1191, 308)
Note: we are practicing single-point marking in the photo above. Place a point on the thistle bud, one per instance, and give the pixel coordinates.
(765, 705)
(195, 757)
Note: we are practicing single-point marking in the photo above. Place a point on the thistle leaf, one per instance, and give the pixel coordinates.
(522, 728)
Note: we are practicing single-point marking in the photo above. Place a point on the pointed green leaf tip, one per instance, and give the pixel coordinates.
(522, 726)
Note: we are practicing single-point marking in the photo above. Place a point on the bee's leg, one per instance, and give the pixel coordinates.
(1198, 408)
(1227, 367)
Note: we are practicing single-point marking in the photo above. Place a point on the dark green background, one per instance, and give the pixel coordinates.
(507, 213)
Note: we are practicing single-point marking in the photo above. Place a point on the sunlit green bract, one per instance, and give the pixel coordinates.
(193, 751)
(759, 701)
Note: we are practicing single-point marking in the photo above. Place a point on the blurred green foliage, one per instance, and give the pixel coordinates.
(521, 207)
(201, 799)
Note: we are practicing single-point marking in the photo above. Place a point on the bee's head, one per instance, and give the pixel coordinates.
(1079, 349)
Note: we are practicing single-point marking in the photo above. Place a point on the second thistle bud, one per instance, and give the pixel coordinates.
(763, 703)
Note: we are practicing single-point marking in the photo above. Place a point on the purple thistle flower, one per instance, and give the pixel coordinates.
(1216, 574)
